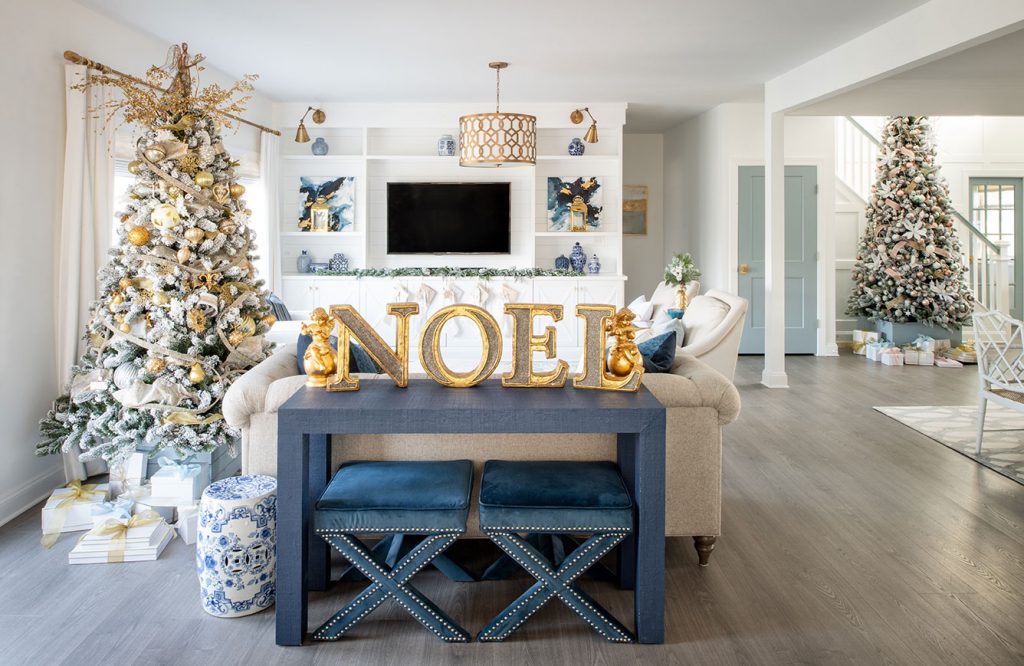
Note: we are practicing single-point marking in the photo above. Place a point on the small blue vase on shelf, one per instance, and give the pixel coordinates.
(338, 263)
(562, 263)
(446, 146)
(594, 266)
(320, 146)
(578, 258)
(576, 147)
(302, 262)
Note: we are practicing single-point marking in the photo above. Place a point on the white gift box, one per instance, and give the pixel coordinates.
(178, 481)
(119, 509)
(141, 543)
(913, 356)
(145, 500)
(861, 340)
(70, 510)
(132, 470)
(875, 350)
(188, 522)
(892, 357)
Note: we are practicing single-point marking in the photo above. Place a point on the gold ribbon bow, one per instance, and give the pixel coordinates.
(81, 493)
(188, 418)
(117, 530)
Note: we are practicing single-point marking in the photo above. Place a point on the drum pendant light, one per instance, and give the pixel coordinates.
(497, 139)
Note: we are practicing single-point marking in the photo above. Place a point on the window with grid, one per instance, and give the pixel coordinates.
(993, 209)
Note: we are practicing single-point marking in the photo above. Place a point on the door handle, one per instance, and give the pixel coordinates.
(744, 269)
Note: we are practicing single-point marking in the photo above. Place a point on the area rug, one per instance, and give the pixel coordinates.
(956, 427)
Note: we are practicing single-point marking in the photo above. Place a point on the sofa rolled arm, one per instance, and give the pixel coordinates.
(692, 383)
(247, 395)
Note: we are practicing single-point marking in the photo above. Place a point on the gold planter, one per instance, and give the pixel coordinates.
(681, 297)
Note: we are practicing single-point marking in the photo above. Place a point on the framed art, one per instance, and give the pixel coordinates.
(574, 198)
(339, 194)
(634, 210)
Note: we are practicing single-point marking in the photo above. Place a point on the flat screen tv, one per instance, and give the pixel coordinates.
(448, 218)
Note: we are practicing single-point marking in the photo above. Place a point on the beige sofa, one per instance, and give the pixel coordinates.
(699, 402)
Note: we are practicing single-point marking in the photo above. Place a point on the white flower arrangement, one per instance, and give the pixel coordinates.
(681, 270)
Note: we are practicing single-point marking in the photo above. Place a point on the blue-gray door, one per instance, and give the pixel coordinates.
(801, 258)
(998, 211)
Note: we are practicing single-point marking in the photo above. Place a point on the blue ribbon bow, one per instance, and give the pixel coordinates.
(181, 470)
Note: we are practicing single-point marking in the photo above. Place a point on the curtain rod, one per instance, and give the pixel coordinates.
(77, 59)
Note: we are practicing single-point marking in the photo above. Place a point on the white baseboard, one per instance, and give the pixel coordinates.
(775, 379)
(830, 350)
(16, 502)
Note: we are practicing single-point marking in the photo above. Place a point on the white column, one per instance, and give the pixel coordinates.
(774, 375)
(1002, 277)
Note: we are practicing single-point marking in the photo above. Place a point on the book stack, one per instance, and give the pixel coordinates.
(140, 538)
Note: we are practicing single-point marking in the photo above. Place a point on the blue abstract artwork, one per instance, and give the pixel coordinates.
(562, 191)
(340, 195)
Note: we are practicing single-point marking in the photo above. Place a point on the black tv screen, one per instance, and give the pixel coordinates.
(448, 218)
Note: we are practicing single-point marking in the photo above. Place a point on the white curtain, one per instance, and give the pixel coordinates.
(85, 225)
(270, 150)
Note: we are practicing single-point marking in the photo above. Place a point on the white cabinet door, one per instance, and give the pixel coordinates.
(299, 296)
(564, 293)
(337, 292)
(601, 292)
(374, 297)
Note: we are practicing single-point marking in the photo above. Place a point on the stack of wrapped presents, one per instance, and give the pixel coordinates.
(922, 351)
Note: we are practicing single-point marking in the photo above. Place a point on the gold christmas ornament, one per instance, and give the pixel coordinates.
(220, 192)
(115, 302)
(155, 365)
(161, 298)
(165, 216)
(173, 191)
(133, 167)
(189, 163)
(235, 338)
(195, 235)
(196, 373)
(124, 283)
(138, 236)
(124, 327)
(196, 320)
(269, 320)
(155, 153)
(203, 179)
(184, 254)
(237, 190)
(228, 227)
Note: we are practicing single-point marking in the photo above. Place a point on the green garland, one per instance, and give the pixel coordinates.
(452, 272)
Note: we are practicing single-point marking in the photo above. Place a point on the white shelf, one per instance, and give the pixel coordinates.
(323, 158)
(577, 158)
(307, 276)
(325, 234)
(454, 159)
(575, 234)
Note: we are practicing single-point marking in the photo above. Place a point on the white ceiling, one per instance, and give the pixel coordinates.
(987, 79)
(667, 59)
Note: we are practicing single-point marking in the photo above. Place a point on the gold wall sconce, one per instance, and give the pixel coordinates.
(577, 117)
(301, 135)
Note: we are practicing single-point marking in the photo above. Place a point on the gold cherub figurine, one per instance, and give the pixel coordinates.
(319, 359)
(625, 355)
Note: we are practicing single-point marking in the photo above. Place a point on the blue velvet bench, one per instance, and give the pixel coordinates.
(557, 498)
(429, 498)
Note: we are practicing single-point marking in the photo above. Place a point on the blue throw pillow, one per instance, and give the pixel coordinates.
(358, 359)
(659, 352)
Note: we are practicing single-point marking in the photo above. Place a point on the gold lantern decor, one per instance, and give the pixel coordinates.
(577, 214)
(320, 216)
(497, 139)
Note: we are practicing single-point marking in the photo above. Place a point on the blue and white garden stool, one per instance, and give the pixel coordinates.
(558, 498)
(236, 545)
(429, 498)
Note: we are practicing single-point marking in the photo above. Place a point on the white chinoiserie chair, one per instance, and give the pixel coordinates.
(999, 343)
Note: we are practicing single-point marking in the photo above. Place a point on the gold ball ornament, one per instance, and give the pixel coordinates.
(203, 179)
(228, 228)
(155, 365)
(134, 166)
(155, 153)
(196, 373)
(124, 327)
(619, 364)
(138, 236)
(270, 320)
(195, 235)
(220, 192)
(115, 302)
(184, 254)
(165, 216)
(235, 338)
(237, 190)
(124, 283)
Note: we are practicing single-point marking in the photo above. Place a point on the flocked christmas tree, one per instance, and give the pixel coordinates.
(180, 313)
(909, 266)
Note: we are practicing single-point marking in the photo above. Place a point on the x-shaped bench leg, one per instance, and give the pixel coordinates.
(391, 583)
(551, 583)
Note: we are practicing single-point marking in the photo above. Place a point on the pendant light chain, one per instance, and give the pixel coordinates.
(497, 90)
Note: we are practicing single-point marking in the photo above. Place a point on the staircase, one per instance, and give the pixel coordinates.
(988, 266)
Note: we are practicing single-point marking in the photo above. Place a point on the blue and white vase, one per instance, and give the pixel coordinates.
(338, 263)
(319, 146)
(578, 258)
(446, 146)
(236, 544)
(594, 266)
(576, 147)
(302, 262)
(562, 263)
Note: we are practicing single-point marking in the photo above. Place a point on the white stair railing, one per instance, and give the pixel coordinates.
(987, 261)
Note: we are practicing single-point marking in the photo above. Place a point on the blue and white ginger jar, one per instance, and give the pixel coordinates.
(302, 262)
(338, 263)
(446, 146)
(578, 258)
(576, 147)
(594, 267)
(320, 146)
(562, 263)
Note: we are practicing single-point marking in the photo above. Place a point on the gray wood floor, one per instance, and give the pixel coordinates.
(848, 538)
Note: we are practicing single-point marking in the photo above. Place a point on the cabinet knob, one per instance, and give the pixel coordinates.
(744, 269)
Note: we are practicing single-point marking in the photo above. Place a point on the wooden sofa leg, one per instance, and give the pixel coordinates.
(704, 546)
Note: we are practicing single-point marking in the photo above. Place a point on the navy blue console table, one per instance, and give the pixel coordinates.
(306, 421)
